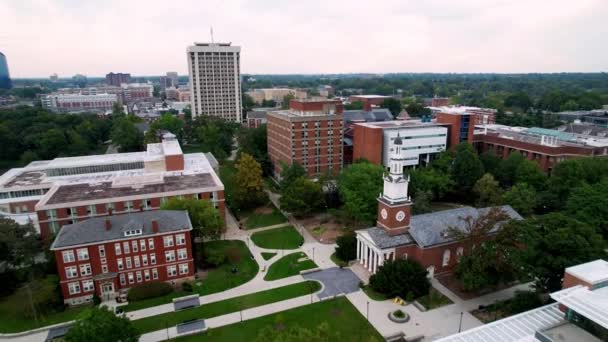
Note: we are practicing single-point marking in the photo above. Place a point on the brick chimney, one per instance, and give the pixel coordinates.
(108, 224)
(154, 226)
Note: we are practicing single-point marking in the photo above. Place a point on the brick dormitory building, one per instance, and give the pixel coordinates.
(107, 255)
(308, 133)
(62, 191)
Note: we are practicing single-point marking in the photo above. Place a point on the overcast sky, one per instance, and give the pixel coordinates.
(150, 37)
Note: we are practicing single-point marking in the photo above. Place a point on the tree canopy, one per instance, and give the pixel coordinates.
(302, 197)
(101, 325)
(206, 220)
(399, 278)
(359, 185)
(249, 185)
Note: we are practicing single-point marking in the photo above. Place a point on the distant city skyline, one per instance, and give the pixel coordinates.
(312, 37)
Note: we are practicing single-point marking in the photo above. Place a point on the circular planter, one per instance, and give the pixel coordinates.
(392, 317)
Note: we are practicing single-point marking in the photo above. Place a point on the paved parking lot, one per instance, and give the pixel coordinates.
(335, 281)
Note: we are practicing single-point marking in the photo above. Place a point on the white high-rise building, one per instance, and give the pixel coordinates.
(215, 80)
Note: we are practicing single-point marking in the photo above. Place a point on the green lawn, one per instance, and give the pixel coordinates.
(338, 261)
(341, 316)
(223, 307)
(373, 295)
(278, 238)
(434, 299)
(264, 220)
(217, 280)
(268, 256)
(13, 323)
(288, 266)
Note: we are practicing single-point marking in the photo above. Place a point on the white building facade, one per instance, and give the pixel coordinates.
(215, 80)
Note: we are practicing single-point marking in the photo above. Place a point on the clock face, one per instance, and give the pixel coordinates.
(384, 213)
(400, 216)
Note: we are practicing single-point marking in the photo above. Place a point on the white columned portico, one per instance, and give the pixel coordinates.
(358, 249)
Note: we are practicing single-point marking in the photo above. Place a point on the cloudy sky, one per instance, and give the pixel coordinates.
(149, 37)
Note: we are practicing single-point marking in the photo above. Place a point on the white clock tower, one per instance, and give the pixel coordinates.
(394, 204)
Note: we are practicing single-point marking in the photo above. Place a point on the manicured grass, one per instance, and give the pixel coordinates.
(268, 256)
(223, 307)
(278, 238)
(264, 220)
(288, 266)
(341, 316)
(434, 299)
(12, 323)
(217, 280)
(338, 261)
(373, 295)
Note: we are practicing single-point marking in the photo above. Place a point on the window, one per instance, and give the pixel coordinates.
(104, 268)
(83, 254)
(52, 214)
(85, 270)
(119, 263)
(144, 259)
(153, 259)
(183, 268)
(133, 232)
(71, 272)
(170, 256)
(87, 286)
(117, 248)
(154, 273)
(182, 254)
(180, 239)
(123, 281)
(104, 260)
(91, 211)
(102, 251)
(446, 257)
(171, 271)
(131, 279)
(147, 275)
(134, 246)
(128, 262)
(151, 243)
(142, 245)
(68, 256)
(136, 261)
(168, 241)
(125, 247)
(109, 206)
(128, 205)
(138, 276)
(74, 288)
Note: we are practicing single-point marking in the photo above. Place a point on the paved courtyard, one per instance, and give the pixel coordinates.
(335, 281)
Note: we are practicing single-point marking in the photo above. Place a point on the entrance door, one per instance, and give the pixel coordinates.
(431, 271)
(107, 291)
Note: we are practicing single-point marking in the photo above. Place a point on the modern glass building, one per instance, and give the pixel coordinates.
(5, 78)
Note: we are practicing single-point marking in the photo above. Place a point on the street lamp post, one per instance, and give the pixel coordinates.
(460, 324)
(313, 254)
(367, 312)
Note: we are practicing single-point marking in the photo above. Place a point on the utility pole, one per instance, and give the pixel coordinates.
(460, 325)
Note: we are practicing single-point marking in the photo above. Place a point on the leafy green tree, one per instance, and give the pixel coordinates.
(286, 99)
(400, 277)
(100, 325)
(249, 189)
(529, 172)
(354, 105)
(589, 204)
(393, 105)
(167, 122)
(507, 169)
(566, 176)
(248, 103)
(126, 136)
(289, 173)
(490, 162)
(422, 201)
(206, 220)
(467, 168)
(431, 180)
(522, 197)
(302, 197)
(359, 185)
(18, 244)
(346, 249)
(417, 109)
(253, 141)
(552, 243)
(487, 191)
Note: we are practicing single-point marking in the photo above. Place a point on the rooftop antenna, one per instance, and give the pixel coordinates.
(212, 35)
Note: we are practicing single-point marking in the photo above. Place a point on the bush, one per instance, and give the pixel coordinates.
(347, 247)
(524, 301)
(149, 290)
(399, 314)
(186, 287)
(214, 257)
(399, 277)
(96, 299)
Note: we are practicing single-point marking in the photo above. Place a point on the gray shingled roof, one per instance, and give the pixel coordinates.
(376, 114)
(383, 240)
(427, 229)
(94, 229)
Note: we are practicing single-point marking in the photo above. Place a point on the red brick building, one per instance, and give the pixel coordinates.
(108, 255)
(423, 238)
(309, 133)
(255, 119)
(375, 100)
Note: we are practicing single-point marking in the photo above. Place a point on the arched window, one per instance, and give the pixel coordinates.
(459, 252)
(446, 257)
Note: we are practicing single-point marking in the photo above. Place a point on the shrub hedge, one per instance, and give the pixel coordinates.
(149, 290)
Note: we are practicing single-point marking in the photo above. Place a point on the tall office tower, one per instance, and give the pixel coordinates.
(5, 77)
(174, 78)
(215, 80)
(116, 79)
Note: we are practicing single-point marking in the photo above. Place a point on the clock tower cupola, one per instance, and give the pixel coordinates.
(394, 204)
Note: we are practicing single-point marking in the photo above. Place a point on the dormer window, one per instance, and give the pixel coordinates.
(133, 232)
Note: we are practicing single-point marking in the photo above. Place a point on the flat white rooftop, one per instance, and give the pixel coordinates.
(592, 272)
